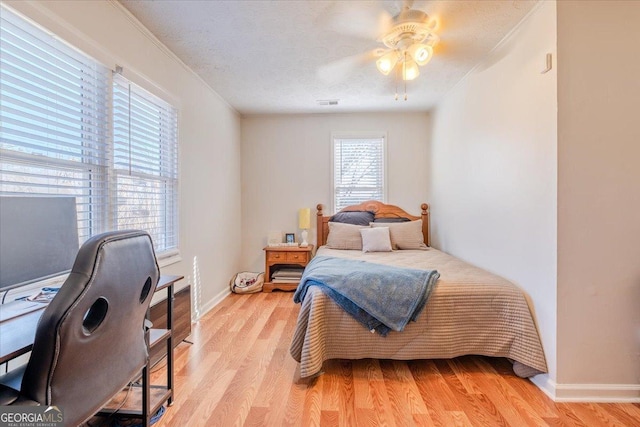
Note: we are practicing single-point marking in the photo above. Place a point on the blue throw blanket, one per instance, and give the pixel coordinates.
(381, 297)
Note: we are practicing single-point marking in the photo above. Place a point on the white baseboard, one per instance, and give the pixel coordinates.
(205, 308)
(601, 393)
(546, 384)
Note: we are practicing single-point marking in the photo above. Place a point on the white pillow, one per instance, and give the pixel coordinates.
(376, 239)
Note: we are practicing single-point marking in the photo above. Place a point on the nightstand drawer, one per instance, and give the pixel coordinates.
(297, 256)
(276, 256)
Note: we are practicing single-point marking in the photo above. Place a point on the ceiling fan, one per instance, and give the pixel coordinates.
(408, 38)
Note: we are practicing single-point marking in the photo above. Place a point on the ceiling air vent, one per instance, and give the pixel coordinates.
(327, 101)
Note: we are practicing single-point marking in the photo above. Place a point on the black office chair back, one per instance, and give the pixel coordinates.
(90, 343)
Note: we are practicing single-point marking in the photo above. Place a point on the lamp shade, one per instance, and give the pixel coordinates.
(304, 218)
(421, 53)
(410, 70)
(387, 62)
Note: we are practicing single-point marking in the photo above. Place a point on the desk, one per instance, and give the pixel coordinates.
(17, 334)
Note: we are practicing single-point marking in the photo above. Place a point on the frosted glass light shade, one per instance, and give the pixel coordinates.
(410, 70)
(387, 62)
(304, 218)
(421, 53)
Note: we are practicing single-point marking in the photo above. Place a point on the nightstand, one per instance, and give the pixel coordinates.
(287, 263)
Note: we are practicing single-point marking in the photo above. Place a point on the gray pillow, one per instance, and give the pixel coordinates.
(355, 218)
(387, 220)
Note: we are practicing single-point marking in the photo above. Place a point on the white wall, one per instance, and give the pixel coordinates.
(493, 168)
(286, 165)
(209, 132)
(599, 197)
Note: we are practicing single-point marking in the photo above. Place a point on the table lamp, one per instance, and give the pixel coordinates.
(304, 223)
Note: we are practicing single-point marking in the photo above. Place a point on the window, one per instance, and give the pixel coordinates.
(145, 163)
(56, 106)
(358, 170)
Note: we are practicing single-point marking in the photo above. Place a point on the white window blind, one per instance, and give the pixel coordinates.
(67, 127)
(145, 161)
(54, 106)
(358, 170)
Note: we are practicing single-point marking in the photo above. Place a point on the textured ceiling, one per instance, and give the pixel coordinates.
(271, 56)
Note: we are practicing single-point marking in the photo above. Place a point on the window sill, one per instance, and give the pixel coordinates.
(169, 259)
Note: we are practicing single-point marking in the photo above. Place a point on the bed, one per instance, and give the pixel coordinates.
(469, 312)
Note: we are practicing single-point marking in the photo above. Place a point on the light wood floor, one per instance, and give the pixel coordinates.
(238, 372)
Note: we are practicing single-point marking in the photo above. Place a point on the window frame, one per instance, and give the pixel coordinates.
(359, 135)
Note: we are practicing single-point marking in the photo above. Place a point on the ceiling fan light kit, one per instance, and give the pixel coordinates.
(409, 41)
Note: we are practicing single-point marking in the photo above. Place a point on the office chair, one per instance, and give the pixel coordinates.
(90, 341)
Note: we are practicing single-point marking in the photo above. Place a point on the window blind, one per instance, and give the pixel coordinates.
(145, 161)
(54, 115)
(358, 166)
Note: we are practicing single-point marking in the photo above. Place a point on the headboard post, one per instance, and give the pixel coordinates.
(425, 223)
(322, 230)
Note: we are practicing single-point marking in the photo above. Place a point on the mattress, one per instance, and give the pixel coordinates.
(470, 311)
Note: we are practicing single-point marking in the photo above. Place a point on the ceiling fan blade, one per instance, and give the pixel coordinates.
(337, 71)
(357, 19)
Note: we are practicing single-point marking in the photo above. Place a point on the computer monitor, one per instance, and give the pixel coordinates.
(38, 238)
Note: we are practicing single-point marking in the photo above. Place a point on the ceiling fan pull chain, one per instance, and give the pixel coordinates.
(404, 75)
(397, 69)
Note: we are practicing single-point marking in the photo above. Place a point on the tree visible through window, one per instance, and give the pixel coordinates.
(358, 170)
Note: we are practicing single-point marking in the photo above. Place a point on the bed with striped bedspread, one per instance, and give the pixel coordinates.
(470, 311)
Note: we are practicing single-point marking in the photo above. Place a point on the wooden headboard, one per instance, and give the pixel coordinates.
(380, 210)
